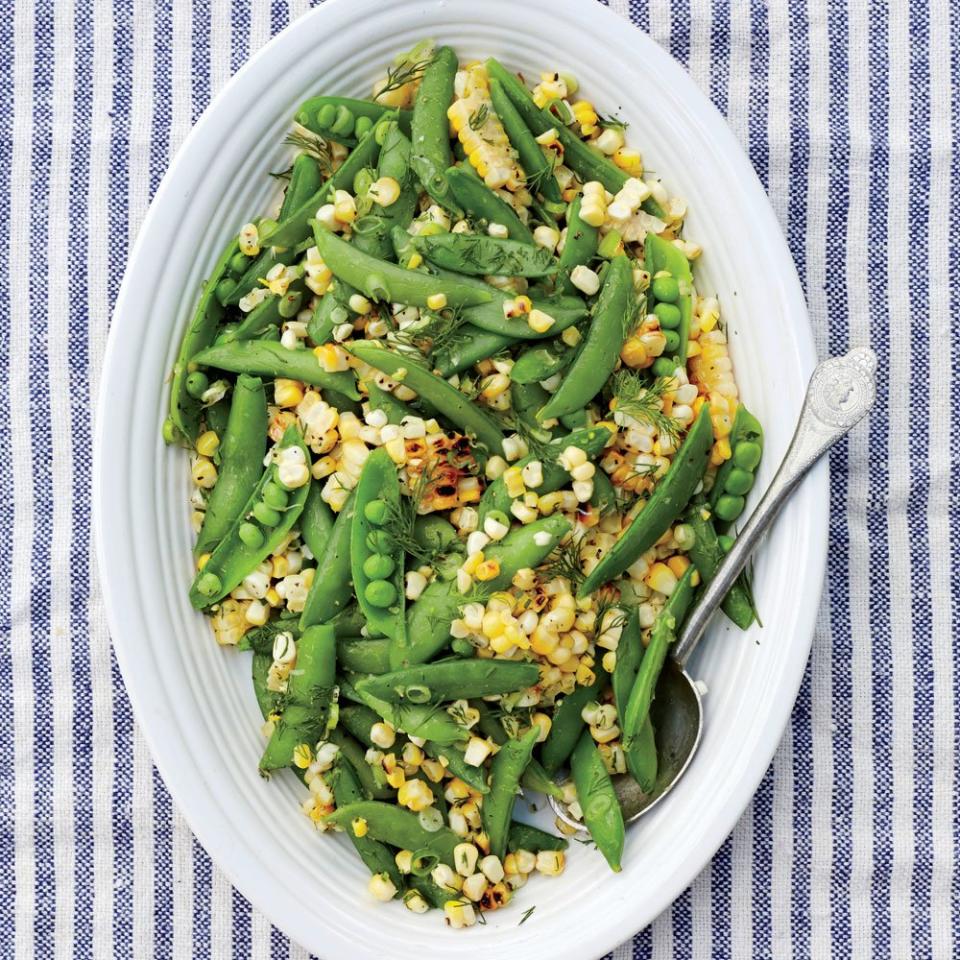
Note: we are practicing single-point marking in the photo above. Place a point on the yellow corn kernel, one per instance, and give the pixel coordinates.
(415, 261)
(280, 567)
(513, 479)
(273, 598)
(585, 676)
(208, 443)
(586, 115)
(661, 579)
(501, 644)
(385, 191)
(437, 301)
(302, 755)
(396, 778)
(287, 393)
(344, 207)
(204, 474)
(539, 321)
(678, 563)
(415, 795)
(487, 570)
(359, 826)
(722, 449)
(629, 161)
(693, 349)
(472, 563)
(634, 353)
(249, 240)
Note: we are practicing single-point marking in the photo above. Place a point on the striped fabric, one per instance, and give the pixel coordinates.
(849, 113)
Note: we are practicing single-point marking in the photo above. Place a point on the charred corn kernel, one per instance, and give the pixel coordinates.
(661, 578)
(678, 564)
(381, 887)
(634, 353)
(287, 393)
(437, 301)
(385, 191)
(249, 240)
(344, 207)
(204, 474)
(359, 826)
(208, 443)
(383, 735)
(487, 570)
(550, 862)
(415, 795)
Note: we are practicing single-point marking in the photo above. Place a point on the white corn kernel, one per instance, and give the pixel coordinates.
(585, 279)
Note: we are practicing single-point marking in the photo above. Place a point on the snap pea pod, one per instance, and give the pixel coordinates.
(579, 247)
(525, 836)
(598, 353)
(435, 534)
(383, 400)
(265, 314)
(451, 680)
(372, 780)
(260, 639)
(471, 347)
(331, 589)
(427, 721)
(347, 791)
(375, 562)
(429, 617)
(591, 441)
(399, 827)
(380, 280)
(241, 462)
(331, 310)
(481, 203)
(305, 181)
(538, 170)
(262, 264)
(541, 361)
(217, 416)
(527, 400)
(707, 554)
(479, 255)
(341, 116)
(565, 311)
(248, 542)
(371, 233)
(598, 800)
(296, 227)
(586, 162)
(453, 759)
(664, 632)
(449, 401)
(307, 702)
(430, 129)
(263, 358)
(642, 757)
(260, 668)
(568, 724)
(662, 256)
(185, 410)
(357, 719)
(363, 654)
(604, 495)
(534, 777)
(669, 498)
(735, 477)
(506, 770)
(316, 523)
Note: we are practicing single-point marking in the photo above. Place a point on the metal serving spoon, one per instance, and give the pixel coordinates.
(841, 392)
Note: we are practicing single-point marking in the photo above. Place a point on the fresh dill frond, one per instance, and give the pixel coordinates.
(642, 400)
(567, 561)
(402, 516)
(313, 145)
(613, 122)
(479, 117)
(608, 602)
(281, 174)
(536, 181)
(526, 915)
(431, 334)
(404, 72)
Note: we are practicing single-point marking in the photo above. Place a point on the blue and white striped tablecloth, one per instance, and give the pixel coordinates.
(849, 113)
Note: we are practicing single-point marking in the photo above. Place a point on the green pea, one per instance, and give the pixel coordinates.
(379, 541)
(266, 514)
(170, 432)
(196, 383)
(362, 127)
(326, 115)
(238, 263)
(462, 647)
(729, 507)
(376, 512)
(380, 593)
(275, 496)
(668, 314)
(225, 287)
(251, 535)
(363, 181)
(726, 542)
(379, 566)
(343, 124)
(672, 340)
(746, 455)
(499, 517)
(663, 367)
(208, 584)
(738, 482)
(665, 289)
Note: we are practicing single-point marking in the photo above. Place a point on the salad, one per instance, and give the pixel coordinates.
(465, 441)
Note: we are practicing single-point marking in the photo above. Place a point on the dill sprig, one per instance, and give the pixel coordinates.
(404, 72)
(479, 117)
(535, 182)
(613, 122)
(567, 561)
(313, 145)
(431, 334)
(526, 915)
(605, 604)
(643, 400)
(402, 517)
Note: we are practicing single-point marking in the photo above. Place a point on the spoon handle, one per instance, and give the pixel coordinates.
(841, 392)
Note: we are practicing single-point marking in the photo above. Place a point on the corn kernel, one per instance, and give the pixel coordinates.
(208, 443)
(678, 564)
(359, 826)
(249, 240)
(204, 474)
(437, 301)
(287, 393)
